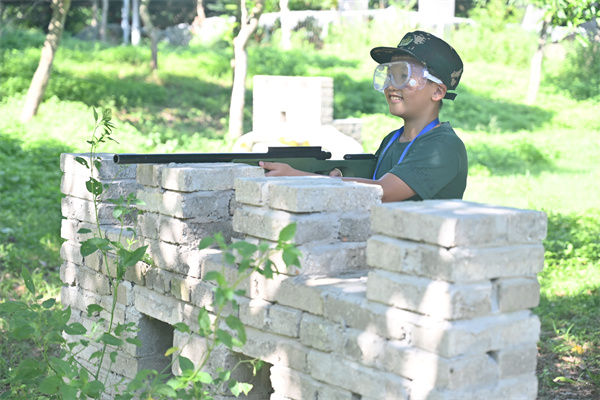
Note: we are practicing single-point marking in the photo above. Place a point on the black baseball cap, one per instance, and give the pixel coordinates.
(437, 55)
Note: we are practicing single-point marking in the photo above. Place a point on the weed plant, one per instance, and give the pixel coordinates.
(542, 157)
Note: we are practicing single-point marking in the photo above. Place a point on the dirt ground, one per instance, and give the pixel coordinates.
(566, 378)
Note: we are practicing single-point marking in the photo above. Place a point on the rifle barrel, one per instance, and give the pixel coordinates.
(274, 152)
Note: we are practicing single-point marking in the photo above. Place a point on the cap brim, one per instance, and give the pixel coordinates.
(385, 54)
(450, 96)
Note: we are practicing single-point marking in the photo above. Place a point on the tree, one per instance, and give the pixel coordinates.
(200, 11)
(136, 33)
(568, 13)
(152, 31)
(248, 24)
(40, 80)
(104, 21)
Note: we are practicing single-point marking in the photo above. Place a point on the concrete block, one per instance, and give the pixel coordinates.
(332, 259)
(267, 224)
(69, 230)
(68, 273)
(203, 206)
(178, 259)
(255, 312)
(430, 370)
(152, 200)
(293, 384)
(148, 224)
(137, 273)
(83, 210)
(182, 287)
(190, 232)
(214, 263)
(276, 349)
(345, 303)
(527, 226)
(516, 361)
(363, 347)
(453, 223)
(209, 177)
(284, 320)
(90, 280)
(319, 333)
(336, 393)
(125, 293)
(149, 174)
(357, 378)
(523, 387)
(75, 186)
(292, 292)
(254, 192)
(203, 295)
(71, 251)
(456, 264)
(77, 298)
(517, 293)
(425, 296)
(355, 226)
(478, 335)
(164, 308)
(159, 280)
(108, 169)
(308, 194)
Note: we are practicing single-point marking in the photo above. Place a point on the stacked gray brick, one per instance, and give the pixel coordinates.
(429, 300)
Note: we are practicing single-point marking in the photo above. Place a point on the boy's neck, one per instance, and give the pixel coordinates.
(412, 127)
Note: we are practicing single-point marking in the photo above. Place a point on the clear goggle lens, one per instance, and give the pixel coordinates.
(401, 74)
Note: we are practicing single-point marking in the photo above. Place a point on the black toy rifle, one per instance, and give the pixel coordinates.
(305, 158)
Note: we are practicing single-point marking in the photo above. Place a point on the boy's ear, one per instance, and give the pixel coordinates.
(439, 92)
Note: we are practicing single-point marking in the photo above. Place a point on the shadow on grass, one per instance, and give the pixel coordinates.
(30, 214)
(569, 346)
(474, 112)
(520, 157)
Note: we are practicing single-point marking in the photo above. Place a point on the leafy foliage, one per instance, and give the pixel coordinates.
(25, 238)
(58, 371)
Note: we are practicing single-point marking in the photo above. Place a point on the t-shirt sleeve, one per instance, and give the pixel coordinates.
(428, 166)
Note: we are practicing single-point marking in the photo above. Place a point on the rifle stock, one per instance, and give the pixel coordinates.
(305, 158)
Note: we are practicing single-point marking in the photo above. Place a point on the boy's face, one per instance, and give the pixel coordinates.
(410, 99)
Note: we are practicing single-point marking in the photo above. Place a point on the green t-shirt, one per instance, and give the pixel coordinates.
(435, 166)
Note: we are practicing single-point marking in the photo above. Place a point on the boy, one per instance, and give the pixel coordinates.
(424, 159)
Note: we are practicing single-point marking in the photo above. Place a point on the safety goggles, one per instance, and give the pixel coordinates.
(401, 74)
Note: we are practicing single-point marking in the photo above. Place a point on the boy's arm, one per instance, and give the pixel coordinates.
(394, 188)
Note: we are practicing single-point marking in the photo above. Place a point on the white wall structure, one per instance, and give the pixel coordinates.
(410, 300)
(298, 110)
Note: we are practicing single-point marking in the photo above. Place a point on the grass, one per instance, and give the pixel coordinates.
(542, 157)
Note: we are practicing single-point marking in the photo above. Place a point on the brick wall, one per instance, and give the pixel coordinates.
(419, 300)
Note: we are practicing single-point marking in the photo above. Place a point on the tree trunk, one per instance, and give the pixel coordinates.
(535, 70)
(125, 22)
(1, 15)
(152, 31)
(104, 21)
(200, 11)
(248, 24)
(94, 23)
(136, 33)
(40, 80)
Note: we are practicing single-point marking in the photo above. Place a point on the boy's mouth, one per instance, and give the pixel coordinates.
(395, 97)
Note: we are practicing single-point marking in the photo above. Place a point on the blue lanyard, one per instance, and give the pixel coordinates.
(427, 128)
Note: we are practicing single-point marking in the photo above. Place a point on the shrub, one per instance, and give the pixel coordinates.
(579, 74)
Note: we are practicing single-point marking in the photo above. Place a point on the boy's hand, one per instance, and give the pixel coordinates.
(279, 169)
